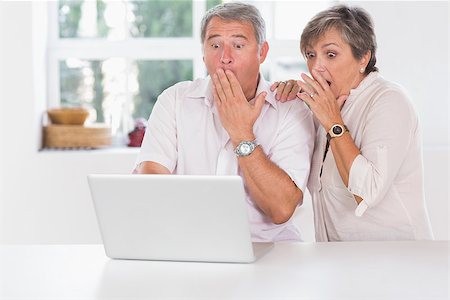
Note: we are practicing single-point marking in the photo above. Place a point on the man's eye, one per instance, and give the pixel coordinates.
(238, 46)
(215, 46)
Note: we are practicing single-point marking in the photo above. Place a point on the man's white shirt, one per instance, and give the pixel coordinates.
(185, 135)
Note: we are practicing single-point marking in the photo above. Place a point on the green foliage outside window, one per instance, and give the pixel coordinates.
(154, 77)
(212, 3)
(162, 18)
(69, 14)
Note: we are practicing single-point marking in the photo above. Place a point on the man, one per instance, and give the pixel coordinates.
(230, 123)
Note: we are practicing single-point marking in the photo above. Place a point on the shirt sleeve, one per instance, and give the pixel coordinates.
(389, 131)
(160, 140)
(294, 144)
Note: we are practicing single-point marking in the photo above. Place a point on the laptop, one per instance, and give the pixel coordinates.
(174, 217)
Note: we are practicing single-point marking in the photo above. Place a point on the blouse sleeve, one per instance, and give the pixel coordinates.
(388, 132)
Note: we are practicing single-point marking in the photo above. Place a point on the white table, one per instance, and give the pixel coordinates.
(350, 271)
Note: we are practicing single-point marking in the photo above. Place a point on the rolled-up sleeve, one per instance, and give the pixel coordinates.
(294, 144)
(386, 138)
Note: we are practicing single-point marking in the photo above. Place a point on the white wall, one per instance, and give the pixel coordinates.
(44, 196)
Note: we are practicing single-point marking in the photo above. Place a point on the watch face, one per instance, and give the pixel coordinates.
(245, 149)
(337, 129)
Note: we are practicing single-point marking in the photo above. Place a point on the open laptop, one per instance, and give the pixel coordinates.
(174, 217)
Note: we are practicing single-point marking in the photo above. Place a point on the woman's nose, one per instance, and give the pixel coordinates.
(318, 65)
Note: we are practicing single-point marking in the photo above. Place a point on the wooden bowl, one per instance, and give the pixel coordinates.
(68, 116)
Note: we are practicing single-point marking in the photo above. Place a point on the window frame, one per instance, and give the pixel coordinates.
(161, 48)
(170, 48)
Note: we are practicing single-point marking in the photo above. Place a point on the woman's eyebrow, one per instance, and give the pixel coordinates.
(330, 44)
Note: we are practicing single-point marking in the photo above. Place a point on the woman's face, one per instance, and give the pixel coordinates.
(332, 58)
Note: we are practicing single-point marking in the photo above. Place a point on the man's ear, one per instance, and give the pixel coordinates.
(263, 52)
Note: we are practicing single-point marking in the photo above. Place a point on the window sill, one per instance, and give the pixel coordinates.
(107, 150)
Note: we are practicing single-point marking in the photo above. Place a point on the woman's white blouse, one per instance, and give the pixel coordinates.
(387, 175)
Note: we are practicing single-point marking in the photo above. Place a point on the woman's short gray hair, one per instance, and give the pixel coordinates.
(355, 25)
(236, 11)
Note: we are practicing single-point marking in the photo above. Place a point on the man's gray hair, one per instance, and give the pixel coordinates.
(236, 11)
(355, 26)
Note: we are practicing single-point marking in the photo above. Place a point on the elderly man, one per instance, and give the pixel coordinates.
(229, 123)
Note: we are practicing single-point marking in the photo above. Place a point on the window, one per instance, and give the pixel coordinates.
(115, 57)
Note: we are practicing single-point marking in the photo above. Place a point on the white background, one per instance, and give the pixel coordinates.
(44, 196)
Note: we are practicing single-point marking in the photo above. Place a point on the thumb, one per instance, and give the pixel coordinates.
(341, 100)
(259, 101)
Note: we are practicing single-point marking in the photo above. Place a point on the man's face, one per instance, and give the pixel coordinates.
(232, 45)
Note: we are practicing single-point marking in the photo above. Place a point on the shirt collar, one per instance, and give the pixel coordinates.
(366, 82)
(203, 90)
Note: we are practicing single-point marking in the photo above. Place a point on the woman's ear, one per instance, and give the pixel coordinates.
(365, 59)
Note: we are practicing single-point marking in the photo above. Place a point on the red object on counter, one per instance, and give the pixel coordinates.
(137, 134)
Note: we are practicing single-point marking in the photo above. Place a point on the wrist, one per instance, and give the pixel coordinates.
(331, 123)
(236, 139)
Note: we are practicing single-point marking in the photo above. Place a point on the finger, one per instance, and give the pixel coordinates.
(226, 87)
(293, 94)
(314, 84)
(305, 88)
(280, 89)
(319, 78)
(274, 86)
(216, 96)
(307, 100)
(235, 86)
(294, 90)
(287, 89)
(218, 88)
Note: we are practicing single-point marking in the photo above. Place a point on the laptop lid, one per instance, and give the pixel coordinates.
(172, 217)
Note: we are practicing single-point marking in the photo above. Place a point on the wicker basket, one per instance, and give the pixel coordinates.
(76, 136)
(68, 116)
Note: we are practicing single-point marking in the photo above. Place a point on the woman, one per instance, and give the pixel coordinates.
(366, 178)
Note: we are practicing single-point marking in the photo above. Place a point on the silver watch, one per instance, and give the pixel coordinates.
(245, 148)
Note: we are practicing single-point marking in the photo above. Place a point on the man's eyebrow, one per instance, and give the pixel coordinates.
(212, 36)
(234, 35)
(240, 36)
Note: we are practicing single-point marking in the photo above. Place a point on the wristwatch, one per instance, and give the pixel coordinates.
(336, 130)
(245, 148)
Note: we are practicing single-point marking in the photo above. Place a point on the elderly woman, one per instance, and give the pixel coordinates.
(366, 180)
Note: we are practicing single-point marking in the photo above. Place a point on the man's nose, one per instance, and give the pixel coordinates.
(226, 57)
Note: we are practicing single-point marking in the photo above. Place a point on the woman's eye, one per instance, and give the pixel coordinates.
(331, 54)
(309, 55)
